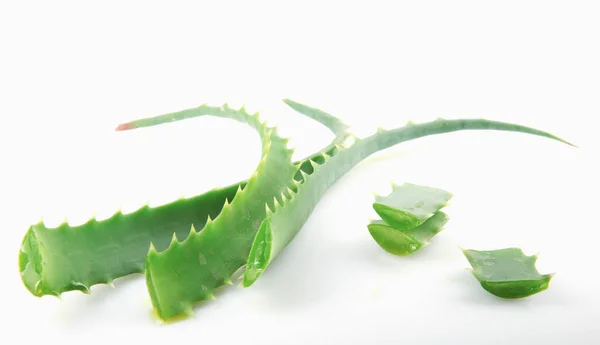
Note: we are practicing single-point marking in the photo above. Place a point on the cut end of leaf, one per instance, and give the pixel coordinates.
(393, 241)
(30, 265)
(187, 313)
(260, 254)
(399, 219)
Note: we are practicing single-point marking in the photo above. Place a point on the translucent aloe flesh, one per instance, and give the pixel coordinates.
(507, 273)
(253, 221)
(407, 241)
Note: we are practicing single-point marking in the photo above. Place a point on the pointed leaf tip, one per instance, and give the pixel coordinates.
(123, 127)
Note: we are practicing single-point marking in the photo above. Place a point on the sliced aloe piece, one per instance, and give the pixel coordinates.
(405, 242)
(507, 273)
(409, 205)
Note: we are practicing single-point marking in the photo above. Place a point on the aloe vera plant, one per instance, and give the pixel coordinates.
(507, 273)
(191, 254)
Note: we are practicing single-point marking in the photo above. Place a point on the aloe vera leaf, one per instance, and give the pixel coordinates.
(409, 205)
(507, 273)
(405, 242)
(65, 258)
(188, 272)
(282, 226)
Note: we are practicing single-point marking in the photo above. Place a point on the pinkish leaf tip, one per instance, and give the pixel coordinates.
(123, 127)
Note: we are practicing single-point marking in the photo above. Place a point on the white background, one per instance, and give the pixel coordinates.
(71, 72)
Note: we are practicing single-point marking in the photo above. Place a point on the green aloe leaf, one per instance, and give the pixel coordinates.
(507, 273)
(405, 242)
(409, 205)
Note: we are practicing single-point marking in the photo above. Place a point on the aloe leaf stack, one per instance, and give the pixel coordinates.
(410, 217)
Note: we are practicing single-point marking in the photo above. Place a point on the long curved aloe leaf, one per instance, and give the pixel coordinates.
(282, 225)
(507, 273)
(66, 257)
